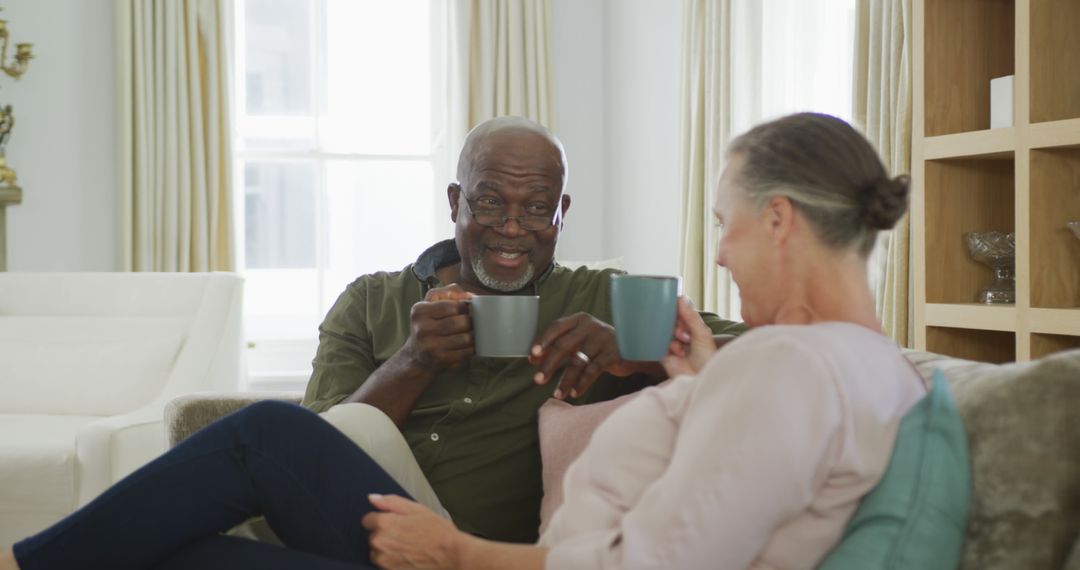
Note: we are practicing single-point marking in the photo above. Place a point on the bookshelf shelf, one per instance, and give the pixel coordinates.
(1023, 179)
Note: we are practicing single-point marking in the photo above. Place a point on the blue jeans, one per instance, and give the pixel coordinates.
(272, 459)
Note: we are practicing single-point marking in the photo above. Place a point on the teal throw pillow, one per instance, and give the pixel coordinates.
(915, 517)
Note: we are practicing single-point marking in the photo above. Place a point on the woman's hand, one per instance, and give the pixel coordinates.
(693, 345)
(407, 535)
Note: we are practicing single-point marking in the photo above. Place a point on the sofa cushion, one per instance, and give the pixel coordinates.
(38, 462)
(101, 366)
(565, 430)
(1024, 439)
(914, 517)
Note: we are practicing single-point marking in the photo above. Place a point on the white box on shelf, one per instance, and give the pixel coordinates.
(1001, 102)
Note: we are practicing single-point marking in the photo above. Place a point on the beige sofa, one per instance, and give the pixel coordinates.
(1023, 423)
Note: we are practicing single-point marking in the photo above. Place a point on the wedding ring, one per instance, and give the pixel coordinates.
(584, 357)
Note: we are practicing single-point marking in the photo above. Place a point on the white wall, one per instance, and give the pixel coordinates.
(64, 140)
(617, 71)
(642, 133)
(578, 62)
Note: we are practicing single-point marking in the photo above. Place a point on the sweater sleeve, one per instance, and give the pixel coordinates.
(754, 446)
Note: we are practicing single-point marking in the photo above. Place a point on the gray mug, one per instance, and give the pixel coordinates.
(644, 308)
(504, 325)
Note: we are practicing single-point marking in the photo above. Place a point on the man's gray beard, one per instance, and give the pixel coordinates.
(504, 286)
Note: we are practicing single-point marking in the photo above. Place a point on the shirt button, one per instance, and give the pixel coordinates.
(468, 400)
(434, 437)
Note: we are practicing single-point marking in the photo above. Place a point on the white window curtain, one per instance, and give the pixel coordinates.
(882, 97)
(744, 62)
(500, 63)
(176, 180)
(705, 119)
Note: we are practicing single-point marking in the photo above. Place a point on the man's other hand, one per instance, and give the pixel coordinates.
(586, 345)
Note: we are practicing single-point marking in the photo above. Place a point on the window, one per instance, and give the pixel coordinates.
(340, 155)
(790, 56)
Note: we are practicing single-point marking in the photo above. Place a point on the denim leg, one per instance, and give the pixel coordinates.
(272, 459)
(218, 552)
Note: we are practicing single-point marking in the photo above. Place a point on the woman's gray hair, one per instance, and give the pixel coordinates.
(830, 173)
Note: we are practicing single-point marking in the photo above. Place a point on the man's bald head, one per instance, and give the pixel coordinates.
(510, 169)
(503, 134)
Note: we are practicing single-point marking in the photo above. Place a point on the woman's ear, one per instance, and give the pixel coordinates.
(779, 215)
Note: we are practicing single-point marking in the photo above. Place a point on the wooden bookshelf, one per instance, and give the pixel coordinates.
(969, 177)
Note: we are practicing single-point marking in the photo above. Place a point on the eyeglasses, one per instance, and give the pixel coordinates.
(491, 213)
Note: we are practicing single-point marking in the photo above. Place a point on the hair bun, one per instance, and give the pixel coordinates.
(884, 202)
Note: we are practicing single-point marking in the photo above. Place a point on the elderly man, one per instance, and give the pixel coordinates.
(401, 342)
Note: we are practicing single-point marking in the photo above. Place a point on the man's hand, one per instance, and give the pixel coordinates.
(440, 334)
(406, 535)
(440, 337)
(566, 341)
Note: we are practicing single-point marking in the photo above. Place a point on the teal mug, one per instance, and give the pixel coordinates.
(644, 308)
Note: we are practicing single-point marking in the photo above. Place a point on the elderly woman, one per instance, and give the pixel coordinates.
(753, 456)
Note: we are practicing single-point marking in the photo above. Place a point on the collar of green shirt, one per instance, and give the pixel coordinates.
(445, 253)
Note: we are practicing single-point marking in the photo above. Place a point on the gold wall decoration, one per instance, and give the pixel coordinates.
(10, 193)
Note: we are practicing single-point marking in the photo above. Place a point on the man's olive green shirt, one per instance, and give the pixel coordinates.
(474, 431)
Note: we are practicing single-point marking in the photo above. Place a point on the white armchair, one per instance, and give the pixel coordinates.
(87, 363)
